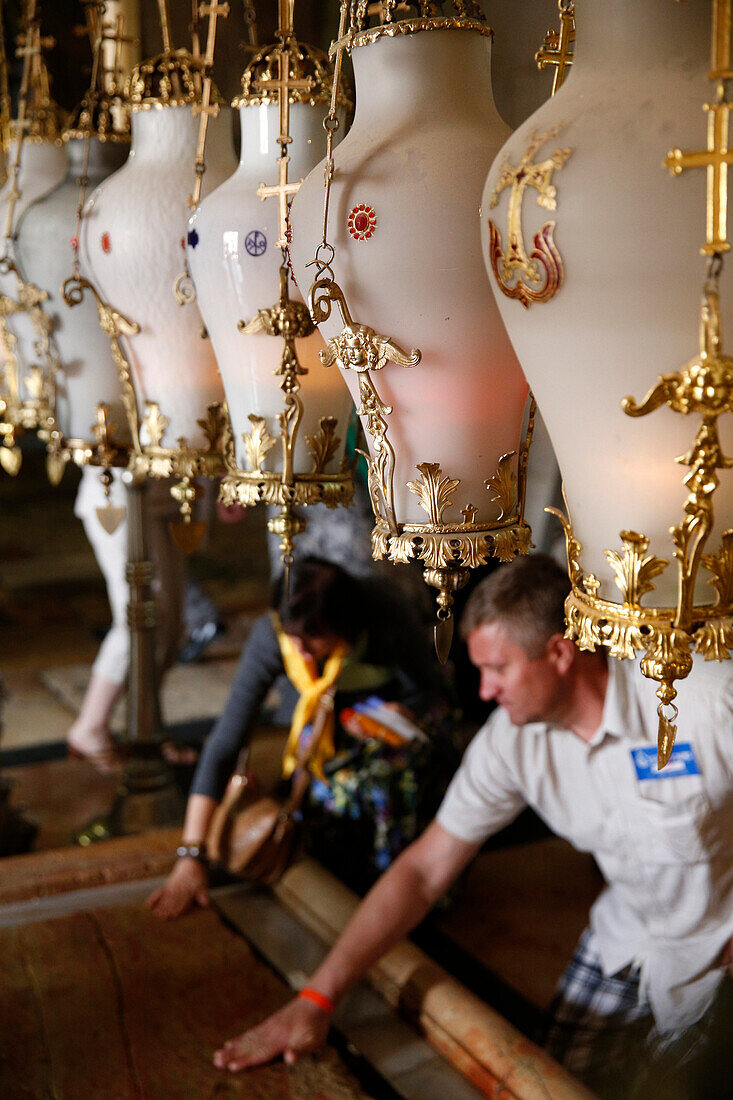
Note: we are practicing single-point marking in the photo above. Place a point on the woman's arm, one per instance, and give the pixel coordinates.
(259, 666)
(188, 883)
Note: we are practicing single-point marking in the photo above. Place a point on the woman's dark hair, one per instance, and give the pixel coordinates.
(323, 600)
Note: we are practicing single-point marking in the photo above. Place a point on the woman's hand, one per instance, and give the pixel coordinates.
(186, 887)
(297, 1029)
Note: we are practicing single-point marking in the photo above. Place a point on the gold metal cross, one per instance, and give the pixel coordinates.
(282, 189)
(557, 49)
(715, 159)
(283, 86)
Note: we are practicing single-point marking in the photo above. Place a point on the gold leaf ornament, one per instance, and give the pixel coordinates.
(503, 485)
(257, 443)
(324, 445)
(433, 490)
(154, 423)
(634, 571)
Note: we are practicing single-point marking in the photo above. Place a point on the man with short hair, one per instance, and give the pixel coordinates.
(644, 1007)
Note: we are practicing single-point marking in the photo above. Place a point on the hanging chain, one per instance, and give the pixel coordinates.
(324, 253)
(5, 105)
(32, 44)
(250, 22)
(183, 286)
(96, 8)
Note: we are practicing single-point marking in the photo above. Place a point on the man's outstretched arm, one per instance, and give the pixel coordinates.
(394, 905)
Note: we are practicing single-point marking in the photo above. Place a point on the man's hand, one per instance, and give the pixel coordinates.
(297, 1029)
(186, 887)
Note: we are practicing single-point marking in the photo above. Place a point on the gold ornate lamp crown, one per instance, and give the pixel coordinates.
(310, 77)
(173, 78)
(367, 21)
(103, 115)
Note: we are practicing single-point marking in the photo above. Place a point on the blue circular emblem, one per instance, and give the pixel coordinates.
(255, 243)
(193, 238)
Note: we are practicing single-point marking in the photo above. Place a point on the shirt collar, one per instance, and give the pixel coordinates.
(615, 720)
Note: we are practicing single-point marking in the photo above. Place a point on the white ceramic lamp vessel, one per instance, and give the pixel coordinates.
(133, 240)
(407, 183)
(235, 262)
(42, 167)
(88, 375)
(624, 300)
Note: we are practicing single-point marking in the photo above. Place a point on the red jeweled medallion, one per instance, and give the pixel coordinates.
(106, 243)
(362, 222)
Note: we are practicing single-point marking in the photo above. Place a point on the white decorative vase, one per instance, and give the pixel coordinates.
(132, 242)
(88, 374)
(42, 167)
(627, 310)
(406, 189)
(234, 262)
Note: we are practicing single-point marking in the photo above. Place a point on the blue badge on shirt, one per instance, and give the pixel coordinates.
(681, 762)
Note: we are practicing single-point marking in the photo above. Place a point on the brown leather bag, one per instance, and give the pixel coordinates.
(252, 835)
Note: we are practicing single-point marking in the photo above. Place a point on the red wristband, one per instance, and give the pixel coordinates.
(317, 998)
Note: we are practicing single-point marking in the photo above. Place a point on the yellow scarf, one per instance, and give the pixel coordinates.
(311, 688)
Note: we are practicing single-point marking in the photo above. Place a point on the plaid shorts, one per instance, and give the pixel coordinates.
(604, 1034)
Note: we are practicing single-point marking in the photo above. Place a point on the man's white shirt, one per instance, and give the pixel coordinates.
(663, 841)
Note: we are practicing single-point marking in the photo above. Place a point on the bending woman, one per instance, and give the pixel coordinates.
(333, 629)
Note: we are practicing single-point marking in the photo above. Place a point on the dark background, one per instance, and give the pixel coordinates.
(69, 61)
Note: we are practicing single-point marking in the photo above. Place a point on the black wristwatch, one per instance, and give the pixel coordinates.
(193, 851)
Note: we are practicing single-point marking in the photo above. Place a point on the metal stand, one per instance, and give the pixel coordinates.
(147, 796)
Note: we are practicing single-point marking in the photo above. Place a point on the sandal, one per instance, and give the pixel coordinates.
(106, 759)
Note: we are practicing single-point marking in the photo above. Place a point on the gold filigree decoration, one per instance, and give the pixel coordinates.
(703, 387)
(433, 490)
(257, 443)
(114, 325)
(536, 278)
(468, 17)
(323, 446)
(360, 348)
(28, 395)
(357, 347)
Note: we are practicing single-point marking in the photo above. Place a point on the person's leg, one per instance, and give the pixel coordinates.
(89, 734)
(597, 1025)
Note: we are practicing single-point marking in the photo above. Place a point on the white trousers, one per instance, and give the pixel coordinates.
(113, 658)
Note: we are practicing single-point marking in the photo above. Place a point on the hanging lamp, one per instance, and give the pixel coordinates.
(590, 240)
(288, 414)
(399, 292)
(28, 361)
(90, 422)
(132, 242)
